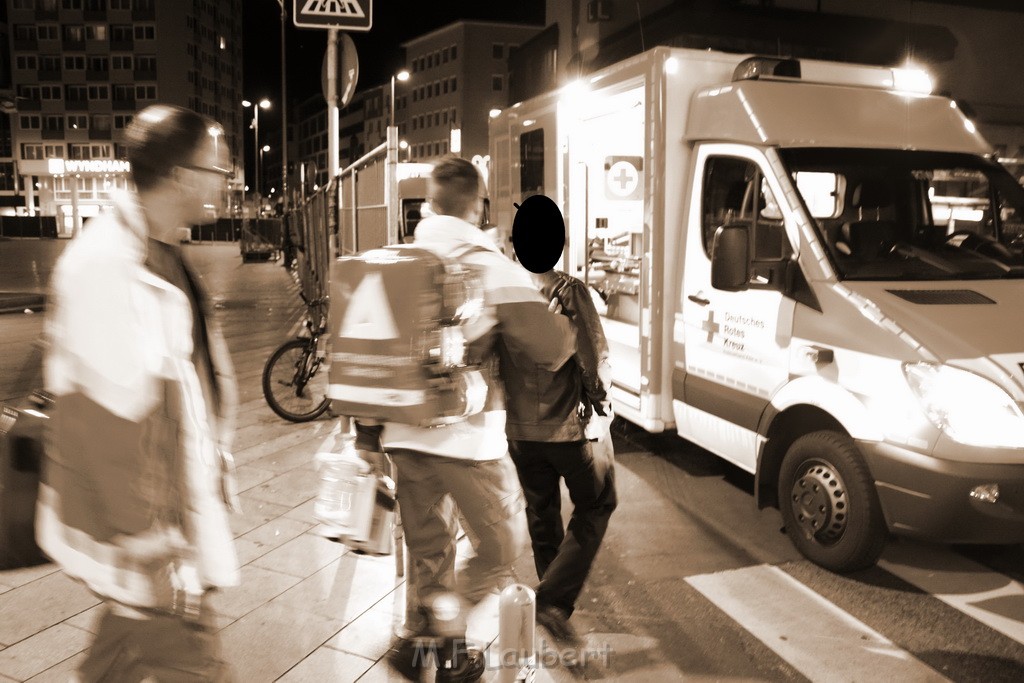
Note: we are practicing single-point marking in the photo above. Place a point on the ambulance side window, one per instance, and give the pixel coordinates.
(531, 160)
(736, 193)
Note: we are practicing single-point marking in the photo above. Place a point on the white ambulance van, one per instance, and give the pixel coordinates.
(811, 269)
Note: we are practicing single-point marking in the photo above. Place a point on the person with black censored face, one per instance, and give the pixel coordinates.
(550, 414)
(137, 483)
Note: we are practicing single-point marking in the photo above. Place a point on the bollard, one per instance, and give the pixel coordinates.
(517, 618)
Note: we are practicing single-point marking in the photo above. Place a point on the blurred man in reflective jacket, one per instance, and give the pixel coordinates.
(136, 484)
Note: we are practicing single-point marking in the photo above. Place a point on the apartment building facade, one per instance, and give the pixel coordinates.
(81, 69)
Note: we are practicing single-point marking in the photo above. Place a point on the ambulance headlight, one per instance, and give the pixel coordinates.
(967, 407)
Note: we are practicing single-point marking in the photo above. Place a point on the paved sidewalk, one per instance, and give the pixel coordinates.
(306, 609)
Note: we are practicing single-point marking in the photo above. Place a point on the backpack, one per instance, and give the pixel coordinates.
(397, 350)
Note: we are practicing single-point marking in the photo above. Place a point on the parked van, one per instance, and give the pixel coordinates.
(811, 269)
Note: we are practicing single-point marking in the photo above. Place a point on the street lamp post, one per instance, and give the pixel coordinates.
(284, 120)
(262, 104)
(264, 148)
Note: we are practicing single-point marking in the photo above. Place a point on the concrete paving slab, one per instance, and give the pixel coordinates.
(344, 589)
(325, 664)
(61, 673)
(42, 651)
(41, 604)
(303, 556)
(267, 642)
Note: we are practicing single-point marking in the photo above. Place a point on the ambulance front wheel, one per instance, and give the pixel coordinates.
(828, 503)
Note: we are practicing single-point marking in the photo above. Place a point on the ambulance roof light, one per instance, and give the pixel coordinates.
(907, 80)
(753, 68)
(912, 80)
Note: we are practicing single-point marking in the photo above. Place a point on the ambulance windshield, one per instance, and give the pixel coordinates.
(905, 215)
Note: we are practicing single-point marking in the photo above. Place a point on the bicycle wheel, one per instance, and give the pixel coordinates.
(294, 383)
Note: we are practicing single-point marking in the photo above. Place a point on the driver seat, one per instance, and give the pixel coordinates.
(868, 238)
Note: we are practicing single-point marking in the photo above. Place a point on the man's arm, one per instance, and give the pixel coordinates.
(591, 346)
(529, 330)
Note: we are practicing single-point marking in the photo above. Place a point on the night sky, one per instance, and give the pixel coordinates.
(380, 54)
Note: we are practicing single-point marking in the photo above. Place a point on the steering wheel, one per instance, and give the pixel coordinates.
(985, 246)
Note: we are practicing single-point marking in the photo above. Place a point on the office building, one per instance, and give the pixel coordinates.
(80, 71)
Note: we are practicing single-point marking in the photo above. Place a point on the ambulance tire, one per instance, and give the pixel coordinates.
(828, 503)
(280, 375)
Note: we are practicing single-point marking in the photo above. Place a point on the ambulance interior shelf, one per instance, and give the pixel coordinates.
(614, 271)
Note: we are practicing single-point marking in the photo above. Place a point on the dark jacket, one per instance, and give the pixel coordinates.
(553, 406)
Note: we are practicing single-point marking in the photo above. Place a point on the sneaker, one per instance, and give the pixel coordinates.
(556, 622)
(467, 666)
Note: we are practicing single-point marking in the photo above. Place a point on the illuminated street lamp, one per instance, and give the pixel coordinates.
(262, 104)
(404, 146)
(403, 76)
(264, 148)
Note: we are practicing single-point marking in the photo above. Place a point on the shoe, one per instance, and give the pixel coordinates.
(467, 666)
(556, 622)
(411, 656)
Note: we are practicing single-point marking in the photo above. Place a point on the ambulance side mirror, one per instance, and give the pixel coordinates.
(730, 258)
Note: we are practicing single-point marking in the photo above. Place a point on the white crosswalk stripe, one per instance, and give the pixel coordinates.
(821, 641)
(991, 598)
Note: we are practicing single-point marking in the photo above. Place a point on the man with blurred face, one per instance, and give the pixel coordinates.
(136, 483)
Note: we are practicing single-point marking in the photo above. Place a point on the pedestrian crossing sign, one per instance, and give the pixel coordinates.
(345, 15)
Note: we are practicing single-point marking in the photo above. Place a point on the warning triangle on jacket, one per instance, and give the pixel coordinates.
(368, 315)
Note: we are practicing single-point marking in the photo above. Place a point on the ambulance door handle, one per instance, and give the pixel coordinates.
(698, 299)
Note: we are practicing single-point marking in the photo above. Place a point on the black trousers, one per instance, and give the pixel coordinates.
(563, 556)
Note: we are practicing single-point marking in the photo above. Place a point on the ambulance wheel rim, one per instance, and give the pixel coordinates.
(819, 502)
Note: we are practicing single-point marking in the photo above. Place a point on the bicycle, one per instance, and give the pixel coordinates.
(294, 377)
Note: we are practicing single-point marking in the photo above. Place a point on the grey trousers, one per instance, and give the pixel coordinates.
(432, 491)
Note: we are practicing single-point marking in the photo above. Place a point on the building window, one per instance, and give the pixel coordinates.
(30, 122)
(7, 176)
(78, 122)
(98, 63)
(146, 63)
(27, 62)
(145, 92)
(24, 4)
(124, 92)
(99, 92)
(53, 151)
(100, 123)
(96, 5)
(122, 62)
(444, 56)
(72, 4)
(31, 151)
(50, 63)
(455, 52)
(122, 120)
(77, 93)
(26, 32)
(53, 122)
(120, 4)
(497, 83)
(51, 92)
(74, 33)
(498, 51)
(49, 32)
(96, 32)
(29, 92)
(455, 83)
(145, 32)
(121, 33)
(74, 62)
(437, 89)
